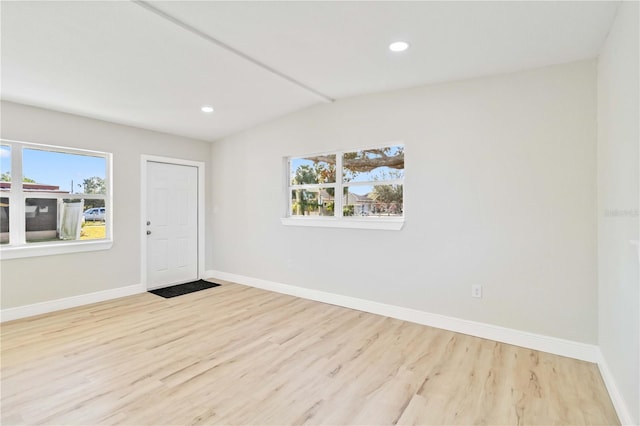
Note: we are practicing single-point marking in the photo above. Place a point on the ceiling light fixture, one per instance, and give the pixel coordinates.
(207, 108)
(398, 46)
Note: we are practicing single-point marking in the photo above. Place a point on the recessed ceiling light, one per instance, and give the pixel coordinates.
(398, 46)
(207, 108)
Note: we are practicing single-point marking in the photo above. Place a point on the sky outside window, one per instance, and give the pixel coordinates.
(5, 159)
(62, 169)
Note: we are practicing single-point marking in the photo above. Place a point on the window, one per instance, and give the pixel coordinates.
(53, 200)
(356, 188)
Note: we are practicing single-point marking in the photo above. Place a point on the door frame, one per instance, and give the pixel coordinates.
(144, 161)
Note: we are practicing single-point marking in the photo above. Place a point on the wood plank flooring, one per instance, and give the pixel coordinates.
(238, 355)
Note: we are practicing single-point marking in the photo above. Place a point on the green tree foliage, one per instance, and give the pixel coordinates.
(347, 211)
(94, 185)
(304, 175)
(6, 177)
(387, 194)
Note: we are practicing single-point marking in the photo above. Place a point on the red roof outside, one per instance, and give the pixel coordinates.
(34, 187)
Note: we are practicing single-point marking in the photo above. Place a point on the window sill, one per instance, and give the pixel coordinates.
(48, 249)
(391, 224)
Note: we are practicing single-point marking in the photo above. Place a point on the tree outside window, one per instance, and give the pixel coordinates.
(370, 181)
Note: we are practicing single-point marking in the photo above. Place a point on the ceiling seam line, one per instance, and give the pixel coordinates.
(205, 36)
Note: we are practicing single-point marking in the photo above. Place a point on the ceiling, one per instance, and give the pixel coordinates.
(154, 64)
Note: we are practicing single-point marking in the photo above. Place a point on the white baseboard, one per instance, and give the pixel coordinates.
(69, 302)
(624, 414)
(568, 348)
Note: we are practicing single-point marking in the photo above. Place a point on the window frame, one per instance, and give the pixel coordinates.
(338, 220)
(18, 247)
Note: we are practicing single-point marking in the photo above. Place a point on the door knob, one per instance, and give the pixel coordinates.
(148, 232)
(148, 222)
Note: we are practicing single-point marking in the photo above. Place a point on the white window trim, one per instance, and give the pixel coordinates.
(391, 224)
(339, 221)
(17, 247)
(48, 249)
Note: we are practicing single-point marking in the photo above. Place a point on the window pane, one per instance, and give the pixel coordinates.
(52, 220)
(94, 211)
(373, 201)
(312, 202)
(41, 217)
(313, 169)
(4, 220)
(94, 224)
(63, 172)
(373, 164)
(5, 167)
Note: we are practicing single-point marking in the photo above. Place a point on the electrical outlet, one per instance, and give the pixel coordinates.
(476, 290)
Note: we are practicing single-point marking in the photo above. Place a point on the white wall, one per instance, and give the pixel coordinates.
(618, 188)
(32, 280)
(500, 191)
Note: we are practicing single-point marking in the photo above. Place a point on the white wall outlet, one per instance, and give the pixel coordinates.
(476, 290)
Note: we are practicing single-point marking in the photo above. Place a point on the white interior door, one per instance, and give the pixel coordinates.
(172, 224)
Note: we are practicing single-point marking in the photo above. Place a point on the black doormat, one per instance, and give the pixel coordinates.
(180, 289)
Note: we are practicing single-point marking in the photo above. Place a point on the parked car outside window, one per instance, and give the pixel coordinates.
(94, 214)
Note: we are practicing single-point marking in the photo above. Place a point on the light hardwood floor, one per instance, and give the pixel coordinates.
(238, 355)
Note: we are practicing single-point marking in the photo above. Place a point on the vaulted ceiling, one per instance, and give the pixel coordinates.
(154, 64)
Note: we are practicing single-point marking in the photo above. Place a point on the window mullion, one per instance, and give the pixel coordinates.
(288, 186)
(64, 195)
(313, 186)
(17, 221)
(108, 201)
(338, 196)
(399, 181)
